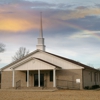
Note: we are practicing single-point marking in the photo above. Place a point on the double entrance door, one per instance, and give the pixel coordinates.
(36, 80)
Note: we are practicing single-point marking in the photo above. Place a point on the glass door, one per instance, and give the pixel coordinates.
(36, 79)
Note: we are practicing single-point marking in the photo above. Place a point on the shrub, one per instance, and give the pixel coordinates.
(86, 87)
(95, 86)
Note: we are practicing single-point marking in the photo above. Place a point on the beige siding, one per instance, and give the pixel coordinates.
(70, 75)
(89, 78)
(34, 65)
(98, 78)
(21, 75)
(6, 79)
(58, 61)
(50, 58)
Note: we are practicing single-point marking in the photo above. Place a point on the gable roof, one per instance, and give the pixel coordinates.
(73, 61)
(49, 63)
(67, 59)
(20, 59)
(32, 58)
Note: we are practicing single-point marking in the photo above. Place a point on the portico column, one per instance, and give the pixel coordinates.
(13, 78)
(27, 78)
(54, 77)
(38, 78)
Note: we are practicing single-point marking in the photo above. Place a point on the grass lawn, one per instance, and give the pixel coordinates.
(57, 95)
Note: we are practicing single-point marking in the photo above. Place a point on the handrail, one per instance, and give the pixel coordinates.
(67, 84)
(45, 84)
(18, 84)
(65, 80)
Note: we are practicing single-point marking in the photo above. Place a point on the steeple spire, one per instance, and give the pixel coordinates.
(41, 29)
(41, 45)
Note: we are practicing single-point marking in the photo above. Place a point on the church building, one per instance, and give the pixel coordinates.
(45, 70)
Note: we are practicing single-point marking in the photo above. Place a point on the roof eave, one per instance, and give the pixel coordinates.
(19, 59)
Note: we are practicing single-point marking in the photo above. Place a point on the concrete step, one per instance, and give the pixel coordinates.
(34, 88)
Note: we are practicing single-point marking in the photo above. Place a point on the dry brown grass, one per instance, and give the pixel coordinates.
(57, 95)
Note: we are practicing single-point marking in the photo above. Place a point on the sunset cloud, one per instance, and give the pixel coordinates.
(77, 13)
(15, 20)
(16, 25)
(21, 17)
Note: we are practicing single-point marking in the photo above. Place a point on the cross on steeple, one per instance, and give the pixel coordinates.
(41, 45)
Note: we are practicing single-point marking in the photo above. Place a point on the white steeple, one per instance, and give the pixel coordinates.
(41, 45)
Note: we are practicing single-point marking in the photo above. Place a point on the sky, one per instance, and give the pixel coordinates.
(71, 28)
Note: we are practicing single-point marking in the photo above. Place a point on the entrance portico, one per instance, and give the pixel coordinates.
(37, 74)
(35, 78)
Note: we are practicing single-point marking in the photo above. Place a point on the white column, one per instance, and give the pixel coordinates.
(54, 77)
(38, 78)
(13, 78)
(27, 78)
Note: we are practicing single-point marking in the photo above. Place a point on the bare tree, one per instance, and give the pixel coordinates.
(22, 52)
(2, 47)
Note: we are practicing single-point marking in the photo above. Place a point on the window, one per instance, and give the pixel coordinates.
(77, 80)
(97, 77)
(94, 77)
(91, 76)
(26, 76)
(51, 76)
